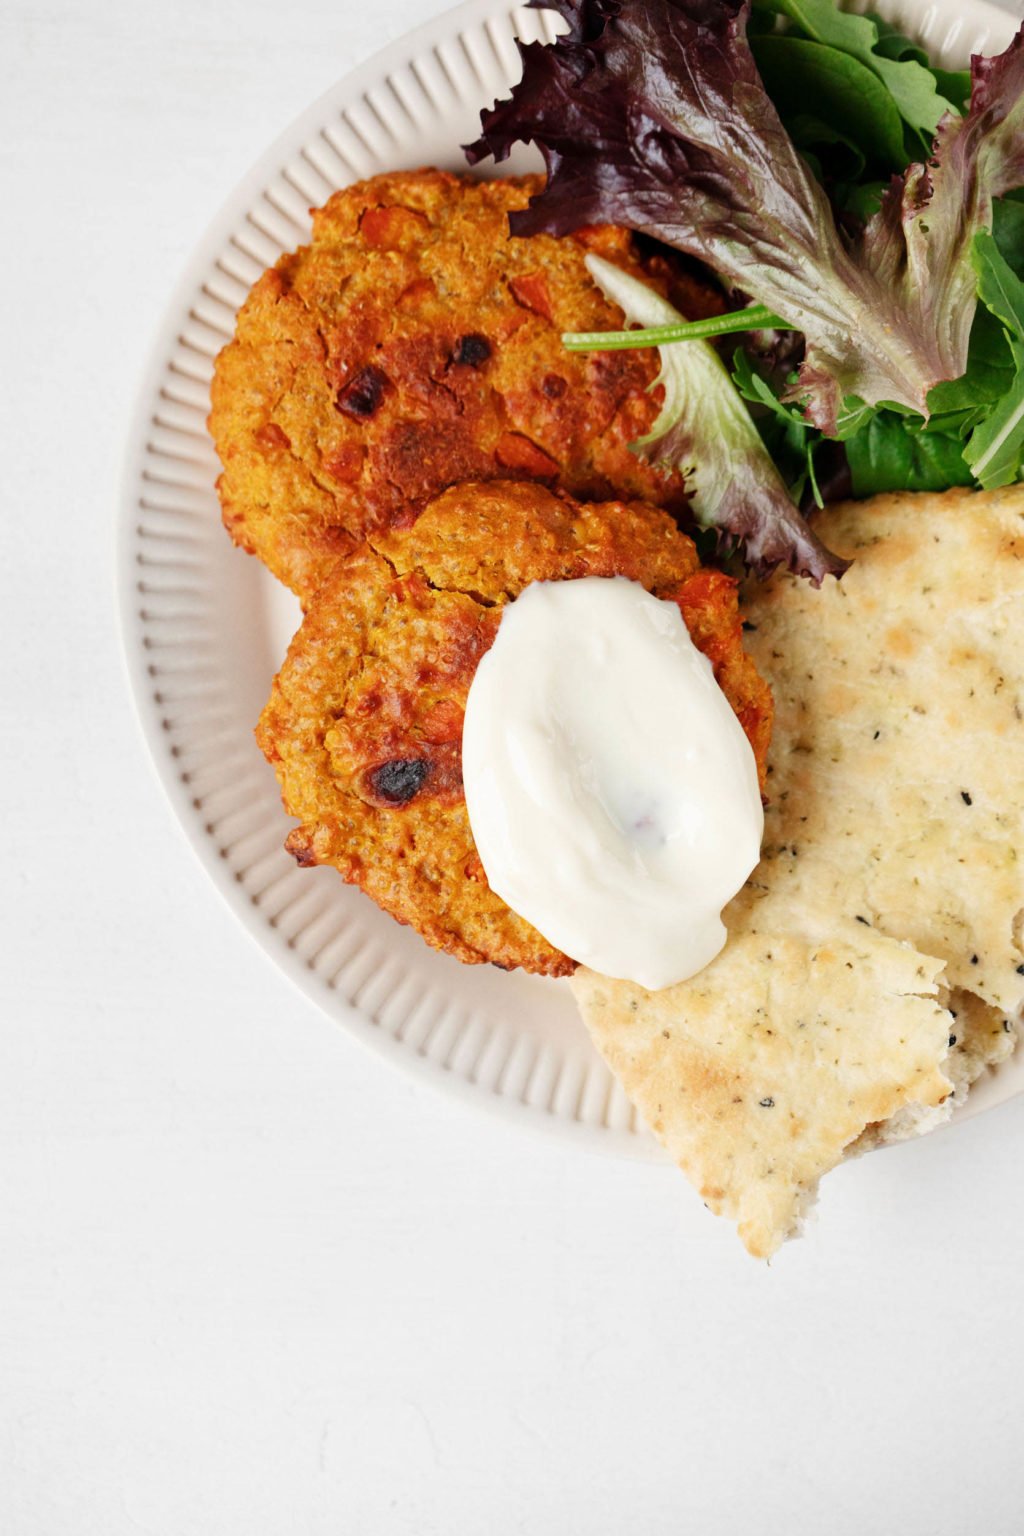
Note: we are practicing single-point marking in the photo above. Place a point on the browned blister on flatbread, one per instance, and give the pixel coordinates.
(874, 967)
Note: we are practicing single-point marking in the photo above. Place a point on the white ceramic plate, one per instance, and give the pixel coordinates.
(205, 627)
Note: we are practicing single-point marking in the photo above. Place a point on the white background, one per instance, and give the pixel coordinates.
(252, 1283)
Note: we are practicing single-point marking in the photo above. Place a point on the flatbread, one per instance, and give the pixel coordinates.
(891, 887)
(761, 1071)
(983, 1037)
(897, 777)
(980, 1038)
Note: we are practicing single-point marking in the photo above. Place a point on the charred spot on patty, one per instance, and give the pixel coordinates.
(364, 727)
(397, 781)
(411, 459)
(398, 349)
(361, 396)
(472, 350)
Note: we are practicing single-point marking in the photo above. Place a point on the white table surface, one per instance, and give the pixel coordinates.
(252, 1283)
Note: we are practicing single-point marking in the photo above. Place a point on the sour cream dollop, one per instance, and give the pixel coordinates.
(612, 793)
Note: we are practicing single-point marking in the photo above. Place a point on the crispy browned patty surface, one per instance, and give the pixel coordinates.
(364, 724)
(414, 344)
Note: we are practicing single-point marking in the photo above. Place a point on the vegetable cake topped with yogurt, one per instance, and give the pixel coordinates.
(364, 725)
(411, 345)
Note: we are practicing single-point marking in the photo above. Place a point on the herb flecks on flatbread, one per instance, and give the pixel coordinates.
(893, 866)
(761, 1071)
(897, 780)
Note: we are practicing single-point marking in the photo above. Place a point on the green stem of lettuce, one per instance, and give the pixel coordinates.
(705, 431)
(755, 318)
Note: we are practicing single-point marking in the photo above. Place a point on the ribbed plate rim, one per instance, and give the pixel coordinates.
(942, 24)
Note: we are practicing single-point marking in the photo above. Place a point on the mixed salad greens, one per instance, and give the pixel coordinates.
(860, 208)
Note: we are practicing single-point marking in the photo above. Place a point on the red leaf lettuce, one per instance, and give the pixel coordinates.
(705, 430)
(651, 114)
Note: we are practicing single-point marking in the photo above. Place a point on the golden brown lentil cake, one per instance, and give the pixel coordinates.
(414, 344)
(364, 725)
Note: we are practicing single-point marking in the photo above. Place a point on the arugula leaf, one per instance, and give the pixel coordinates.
(1008, 230)
(863, 201)
(854, 101)
(999, 288)
(753, 386)
(989, 371)
(955, 85)
(892, 44)
(704, 429)
(893, 453)
(910, 85)
(956, 423)
(995, 448)
(788, 437)
(853, 418)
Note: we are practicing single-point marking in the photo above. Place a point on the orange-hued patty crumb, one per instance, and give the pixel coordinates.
(364, 724)
(415, 344)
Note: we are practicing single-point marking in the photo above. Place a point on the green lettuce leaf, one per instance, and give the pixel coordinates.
(651, 113)
(995, 448)
(989, 372)
(1008, 229)
(854, 103)
(893, 453)
(900, 67)
(704, 430)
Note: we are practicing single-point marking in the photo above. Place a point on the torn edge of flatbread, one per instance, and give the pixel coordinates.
(755, 1103)
(980, 1038)
(875, 961)
(755, 1113)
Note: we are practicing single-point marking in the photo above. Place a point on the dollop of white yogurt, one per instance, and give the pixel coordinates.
(611, 790)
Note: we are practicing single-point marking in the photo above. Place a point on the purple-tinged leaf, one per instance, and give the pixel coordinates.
(651, 113)
(918, 245)
(705, 430)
